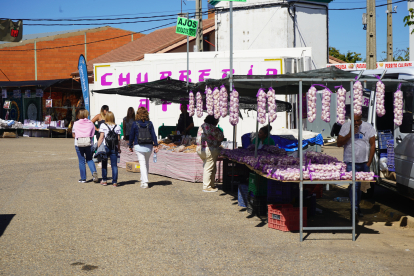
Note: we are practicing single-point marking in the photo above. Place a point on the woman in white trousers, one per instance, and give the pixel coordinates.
(143, 140)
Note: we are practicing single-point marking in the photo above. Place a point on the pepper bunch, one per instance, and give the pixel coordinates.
(271, 105)
(191, 103)
(340, 105)
(398, 107)
(357, 98)
(234, 107)
(199, 99)
(380, 94)
(311, 104)
(261, 106)
(223, 101)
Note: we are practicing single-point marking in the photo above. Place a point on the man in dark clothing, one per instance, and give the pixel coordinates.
(185, 127)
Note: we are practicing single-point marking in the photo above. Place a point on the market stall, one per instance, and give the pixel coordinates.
(44, 107)
(170, 160)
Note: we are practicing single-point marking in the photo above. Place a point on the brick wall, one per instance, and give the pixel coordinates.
(58, 63)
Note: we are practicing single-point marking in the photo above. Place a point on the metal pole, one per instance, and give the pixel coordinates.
(353, 160)
(35, 58)
(257, 137)
(199, 17)
(231, 66)
(188, 55)
(300, 164)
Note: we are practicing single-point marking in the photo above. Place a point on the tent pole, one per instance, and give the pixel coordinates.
(257, 137)
(300, 164)
(353, 160)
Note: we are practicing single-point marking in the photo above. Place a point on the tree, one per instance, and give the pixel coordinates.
(399, 55)
(349, 57)
(409, 19)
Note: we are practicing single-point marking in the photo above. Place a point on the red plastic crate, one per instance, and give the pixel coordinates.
(284, 217)
(314, 189)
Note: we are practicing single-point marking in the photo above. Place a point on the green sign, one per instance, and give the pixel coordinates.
(186, 26)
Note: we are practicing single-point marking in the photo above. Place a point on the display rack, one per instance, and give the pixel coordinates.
(300, 135)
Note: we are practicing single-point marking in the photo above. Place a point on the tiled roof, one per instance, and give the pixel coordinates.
(154, 42)
(334, 60)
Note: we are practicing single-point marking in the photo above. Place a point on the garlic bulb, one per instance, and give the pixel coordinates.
(191, 103)
(272, 107)
(326, 105)
(216, 102)
(261, 106)
(311, 104)
(209, 101)
(398, 107)
(357, 98)
(199, 99)
(223, 101)
(234, 107)
(340, 105)
(380, 95)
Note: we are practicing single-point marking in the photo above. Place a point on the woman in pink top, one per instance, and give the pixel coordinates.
(84, 128)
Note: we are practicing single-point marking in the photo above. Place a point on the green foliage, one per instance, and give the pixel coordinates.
(409, 19)
(349, 57)
(399, 55)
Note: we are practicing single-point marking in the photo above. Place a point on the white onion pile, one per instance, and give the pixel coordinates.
(380, 98)
(191, 103)
(398, 107)
(261, 106)
(234, 107)
(223, 101)
(209, 101)
(311, 104)
(272, 107)
(199, 99)
(326, 105)
(357, 98)
(340, 105)
(216, 105)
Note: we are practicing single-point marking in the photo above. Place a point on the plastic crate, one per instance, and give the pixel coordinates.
(243, 191)
(257, 185)
(281, 192)
(237, 180)
(257, 205)
(233, 168)
(284, 217)
(314, 189)
(390, 155)
(383, 137)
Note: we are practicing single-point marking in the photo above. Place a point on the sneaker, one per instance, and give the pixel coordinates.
(210, 190)
(82, 181)
(95, 177)
(144, 185)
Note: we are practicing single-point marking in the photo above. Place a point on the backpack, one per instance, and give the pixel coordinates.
(112, 138)
(144, 134)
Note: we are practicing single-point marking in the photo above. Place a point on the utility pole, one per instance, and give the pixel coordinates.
(371, 36)
(199, 17)
(389, 32)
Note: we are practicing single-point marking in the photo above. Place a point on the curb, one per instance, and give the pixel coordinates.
(392, 214)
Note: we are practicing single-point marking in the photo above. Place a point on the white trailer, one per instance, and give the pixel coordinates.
(203, 65)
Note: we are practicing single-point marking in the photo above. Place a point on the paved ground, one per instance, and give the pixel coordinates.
(52, 225)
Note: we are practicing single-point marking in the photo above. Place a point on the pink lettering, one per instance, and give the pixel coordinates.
(183, 75)
(271, 72)
(103, 80)
(121, 79)
(142, 81)
(165, 104)
(225, 73)
(203, 73)
(250, 71)
(144, 103)
(165, 74)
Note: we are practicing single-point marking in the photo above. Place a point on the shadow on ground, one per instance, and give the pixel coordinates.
(4, 222)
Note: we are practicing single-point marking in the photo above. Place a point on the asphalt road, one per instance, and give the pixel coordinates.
(52, 225)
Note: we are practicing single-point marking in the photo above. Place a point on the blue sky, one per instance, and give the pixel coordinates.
(345, 27)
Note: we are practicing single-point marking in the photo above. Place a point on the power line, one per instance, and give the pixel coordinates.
(82, 44)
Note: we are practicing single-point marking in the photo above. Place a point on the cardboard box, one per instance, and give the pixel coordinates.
(133, 167)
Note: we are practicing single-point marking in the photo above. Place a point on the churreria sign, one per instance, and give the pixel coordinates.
(186, 26)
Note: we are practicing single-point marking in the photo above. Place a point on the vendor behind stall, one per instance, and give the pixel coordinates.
(264, 137)
(185, 122)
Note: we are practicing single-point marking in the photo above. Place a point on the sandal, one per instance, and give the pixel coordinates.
(115, 185)
(103, 183)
